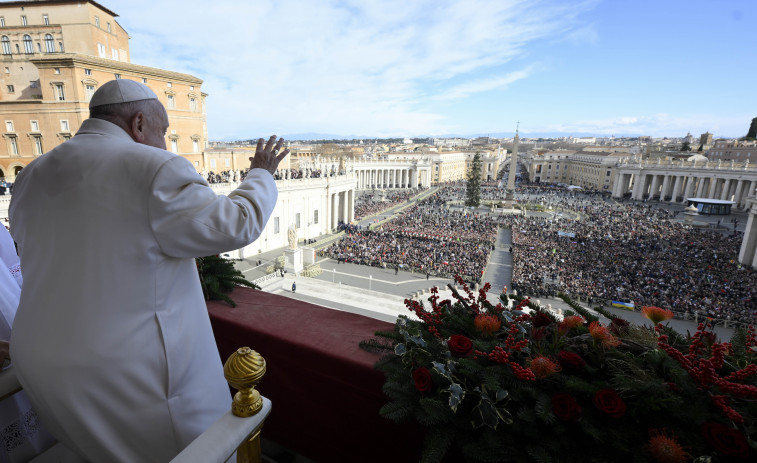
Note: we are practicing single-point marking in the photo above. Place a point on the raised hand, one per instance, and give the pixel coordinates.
(269, 156)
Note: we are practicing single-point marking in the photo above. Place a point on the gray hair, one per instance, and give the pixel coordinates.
(121, 113)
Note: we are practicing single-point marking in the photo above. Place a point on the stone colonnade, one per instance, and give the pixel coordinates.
(388, 177)
(342, 207)
(675, 184)
(748, 251)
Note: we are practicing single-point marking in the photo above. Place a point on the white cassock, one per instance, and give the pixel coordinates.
(112, 340)
(21, 435)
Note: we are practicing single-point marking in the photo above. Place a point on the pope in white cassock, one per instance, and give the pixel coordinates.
(112, 340)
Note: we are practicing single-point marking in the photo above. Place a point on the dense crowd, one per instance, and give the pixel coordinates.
(633, 253)
(427, 238)
(623, 251)
(236, 176)
(371, 203)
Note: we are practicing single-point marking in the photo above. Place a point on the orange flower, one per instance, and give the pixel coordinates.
(487, 324)
(568, 323)
(656, 314)
(602, 334)
(666, 449)
(543, 367)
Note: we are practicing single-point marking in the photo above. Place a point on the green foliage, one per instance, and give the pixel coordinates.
(752, 133)
(477, 409)
(218, 277)
(473, 186)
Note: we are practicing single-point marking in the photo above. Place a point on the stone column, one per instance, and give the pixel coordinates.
(345, 207)
(351, 204)
(665, 187)
(713, 187)
(334, 210)
(737, 192)
(676, 188)
(700, 187)
(724, 195)
(748, 251)
(655, 185)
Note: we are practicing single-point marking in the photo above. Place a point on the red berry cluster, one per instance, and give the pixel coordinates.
(704, 370)
(500, 355)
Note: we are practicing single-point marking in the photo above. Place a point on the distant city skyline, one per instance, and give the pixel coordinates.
(391, 68)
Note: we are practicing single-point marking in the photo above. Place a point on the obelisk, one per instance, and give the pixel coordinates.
(510, 190)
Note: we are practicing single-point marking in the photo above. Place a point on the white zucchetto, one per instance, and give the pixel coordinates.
(121, 91)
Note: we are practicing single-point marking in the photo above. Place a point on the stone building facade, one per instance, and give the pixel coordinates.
(54, 56)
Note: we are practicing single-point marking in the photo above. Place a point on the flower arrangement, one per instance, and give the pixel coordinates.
(510, 382)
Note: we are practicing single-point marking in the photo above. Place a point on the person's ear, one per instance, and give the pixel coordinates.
(138, 127)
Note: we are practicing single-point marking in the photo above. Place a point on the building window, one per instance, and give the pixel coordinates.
(97, 21)
(276, 227)
(45, 20)
(114, 54)
(315, 216)
(88, 72)
(101, 50)
(23, 21)
(175, 145)
(171, 102)
(2, 22)
(13, 146)
(59, 94)
(49, 43)
(227, 162)
(195, 146)
(108, 27)
(144, 80)
(197, 163)
(35, 126)
(60, 47)
(11, 89)
(38, 145)
(192, 104)
(64, 125)
(39, 47)
(57, 70)
(90, 90)
(6, 45)
(66, 137)
(168, 84)
(117, 76)
(212, 163)
(28, 45)
(9, 126)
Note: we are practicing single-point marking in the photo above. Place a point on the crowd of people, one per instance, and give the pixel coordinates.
(427, 238)
(633, 253)
(236, 176)
(626, 251)
(371, 203)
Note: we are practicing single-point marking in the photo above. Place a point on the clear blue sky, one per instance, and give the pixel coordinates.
(416, 68)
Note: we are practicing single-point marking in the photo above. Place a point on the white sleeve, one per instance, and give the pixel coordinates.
(190, 220)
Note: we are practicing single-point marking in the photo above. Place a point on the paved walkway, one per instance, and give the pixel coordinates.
(499, 271)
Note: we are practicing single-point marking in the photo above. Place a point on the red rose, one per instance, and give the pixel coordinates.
(422, 379)
(459, 345)
(725, 440)
(541, 319)
(610, 402)
(570, 361)
(565, 407)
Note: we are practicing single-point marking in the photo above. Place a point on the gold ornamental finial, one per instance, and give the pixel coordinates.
(244, 369)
